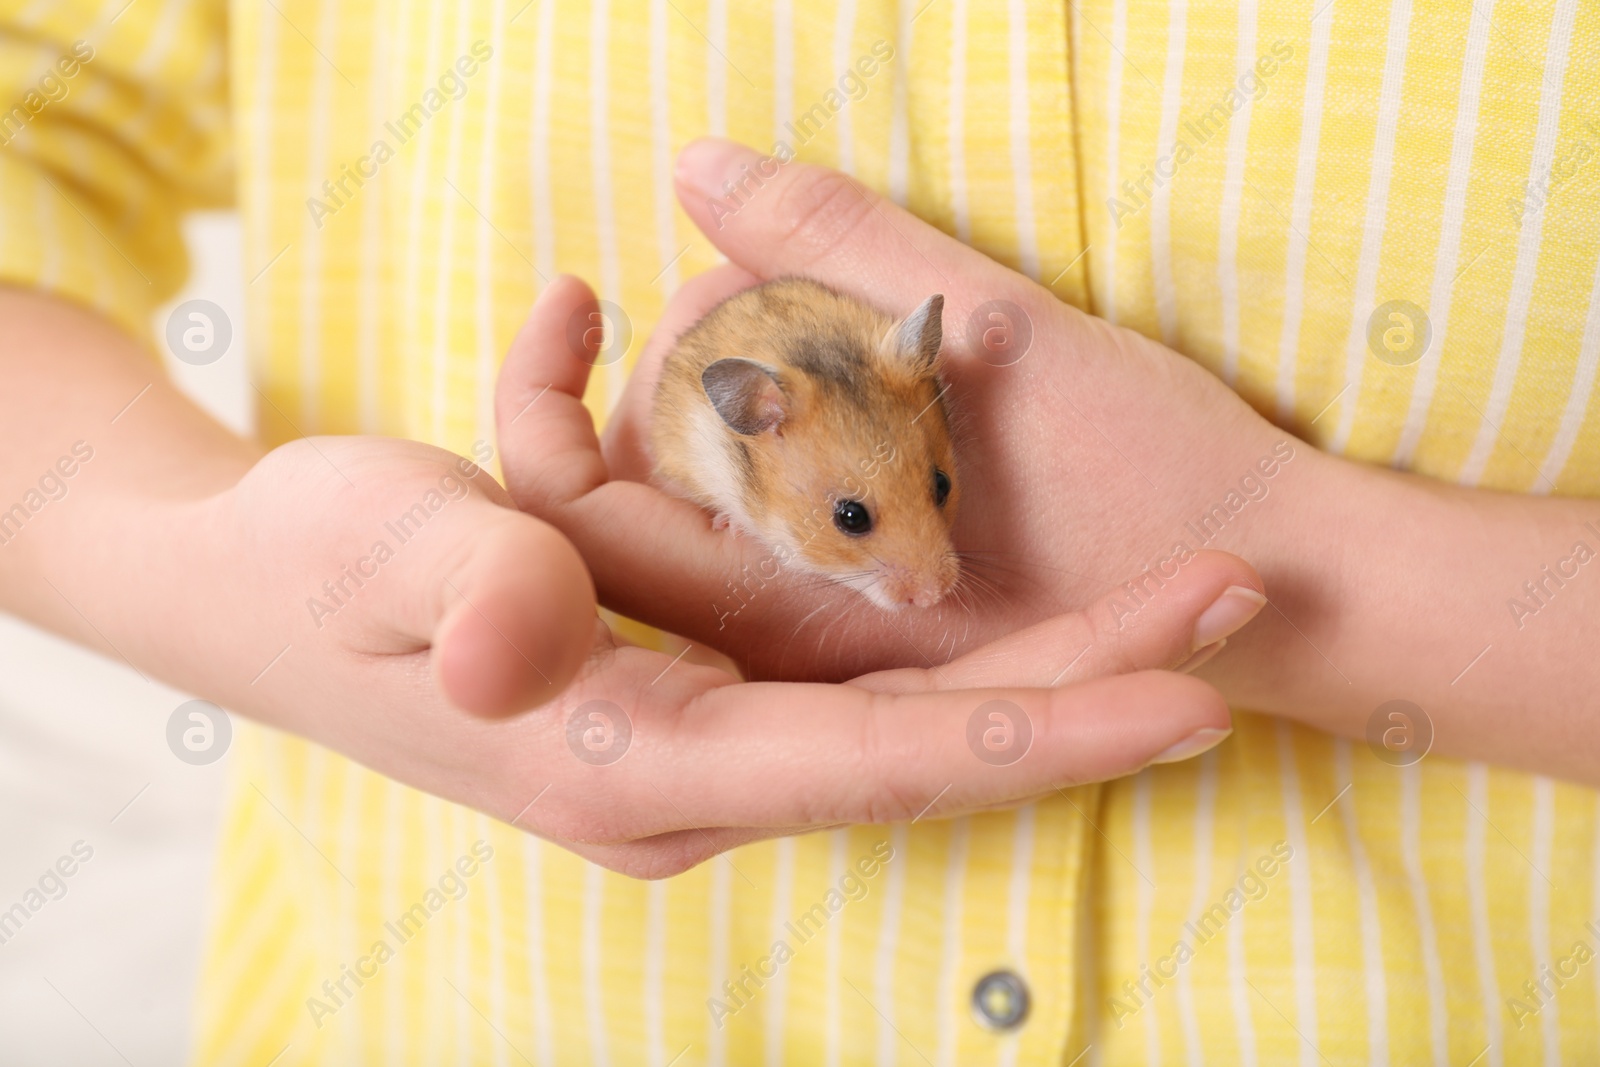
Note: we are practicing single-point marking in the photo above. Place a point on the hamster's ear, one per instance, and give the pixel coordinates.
(746, 394)
(918, 337)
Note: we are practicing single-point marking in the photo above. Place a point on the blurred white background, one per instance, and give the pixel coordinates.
(106, 973)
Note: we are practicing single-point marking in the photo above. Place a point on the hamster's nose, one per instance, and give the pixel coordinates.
(913, 587)
(926, 595)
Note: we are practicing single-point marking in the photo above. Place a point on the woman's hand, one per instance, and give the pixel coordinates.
(1082, 454)
(476, 608)
(1094, 456)
(383, 598)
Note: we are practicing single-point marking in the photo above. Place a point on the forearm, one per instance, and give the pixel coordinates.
(99, 457)
(1481, 608)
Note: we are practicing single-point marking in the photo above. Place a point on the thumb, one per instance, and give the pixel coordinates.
(513, 614)
(1175, 615)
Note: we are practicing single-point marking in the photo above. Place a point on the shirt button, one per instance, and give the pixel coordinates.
(1000, 1001)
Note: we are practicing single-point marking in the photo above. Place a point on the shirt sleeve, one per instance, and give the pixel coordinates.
(114, 124)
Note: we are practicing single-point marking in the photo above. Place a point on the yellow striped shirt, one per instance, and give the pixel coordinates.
(1245, 181)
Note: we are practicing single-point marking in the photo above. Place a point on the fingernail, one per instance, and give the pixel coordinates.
(1201, 657)
(705, 164)
(1193, 745)
(1236, 606)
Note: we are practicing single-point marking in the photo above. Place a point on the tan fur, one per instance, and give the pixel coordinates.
(864, 422)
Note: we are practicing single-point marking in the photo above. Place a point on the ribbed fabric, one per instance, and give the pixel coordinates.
(1430, 151)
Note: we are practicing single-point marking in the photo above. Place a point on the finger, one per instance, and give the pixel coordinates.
(515, 609)
(554, 468)
(1166, 618)
(774, 755)
(625, 442)
(434, 558)
(673, 853)
(803, 219)
(547, 441)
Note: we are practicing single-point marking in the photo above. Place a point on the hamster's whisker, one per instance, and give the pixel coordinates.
(823, 635)
(983, 589)
(795, 633)
(989, 560)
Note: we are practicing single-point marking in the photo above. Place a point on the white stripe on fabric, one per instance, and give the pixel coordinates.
(544, 212)
(1377, 986)
(1381, 171)
(1544, 828)
(258, 234)
(843, 30)
(1114, 64)
(1305, 180)
(958, 121)
(719, 906)
(590, 951)
(782, 66)
(1583, 379)
(444, 327)
(894, 894)
(955, 887)
(661, 149)
(482, 829)
(1594, 906)
(158, 45)
(1233, 195)
(655, 974)
(605, 205)
(483, 286)
(1205, 812)
(1301, 936)
(899, 113)
(775, 995)
(1526, 271)
(1446, 261)
(833, 1036)
(369, 290)
(1017, 895)
(1239, 991)
(1166, 293)
(1021, 104)
(1144, 863)
(1476, 813)
(538, 974)
(717, 68)
(1427, 936)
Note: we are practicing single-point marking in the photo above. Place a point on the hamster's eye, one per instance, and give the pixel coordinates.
(941, 488)
(852, 517)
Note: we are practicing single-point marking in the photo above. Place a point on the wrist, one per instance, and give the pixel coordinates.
(1316, 547)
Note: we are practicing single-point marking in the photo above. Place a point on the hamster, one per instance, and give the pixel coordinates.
(817, 424)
